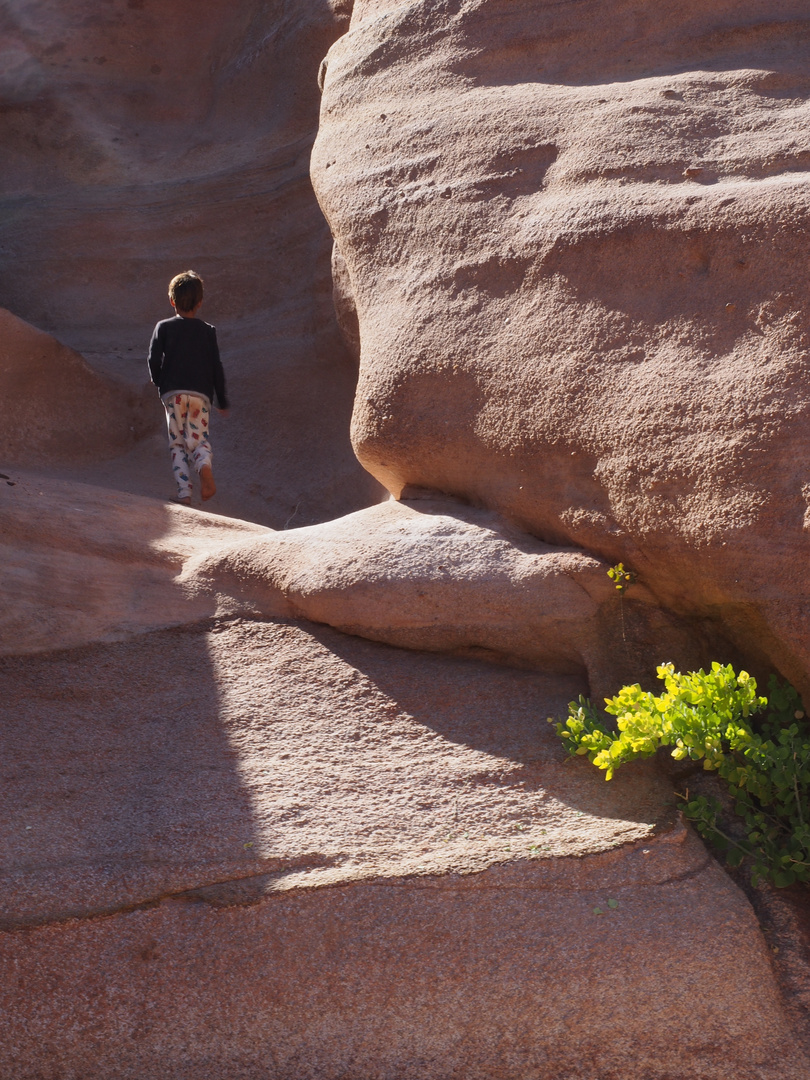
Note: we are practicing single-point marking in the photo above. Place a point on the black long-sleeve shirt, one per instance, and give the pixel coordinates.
(184, 355)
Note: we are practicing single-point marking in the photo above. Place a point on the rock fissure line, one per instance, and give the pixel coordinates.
(215, 894)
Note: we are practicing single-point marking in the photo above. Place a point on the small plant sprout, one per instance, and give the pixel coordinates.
(612, 905)
(623, 578)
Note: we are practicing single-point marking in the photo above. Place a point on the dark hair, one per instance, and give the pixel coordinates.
(186, 290)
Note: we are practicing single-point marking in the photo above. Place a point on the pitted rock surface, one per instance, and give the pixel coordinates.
(576, 235)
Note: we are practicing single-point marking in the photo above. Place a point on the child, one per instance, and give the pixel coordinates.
(185, 366)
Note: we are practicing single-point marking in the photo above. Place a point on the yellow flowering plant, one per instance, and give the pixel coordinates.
(708, 717)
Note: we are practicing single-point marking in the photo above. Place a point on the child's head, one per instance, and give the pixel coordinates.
(186, 291)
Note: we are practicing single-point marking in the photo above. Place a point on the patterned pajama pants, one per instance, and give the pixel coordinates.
(187, 419)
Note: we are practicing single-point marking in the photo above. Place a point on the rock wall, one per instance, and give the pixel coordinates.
(139, 141)
(58, 409)
(138, 138)
(576, 240)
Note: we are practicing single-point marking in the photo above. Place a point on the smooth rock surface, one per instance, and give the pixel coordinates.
(138, 141)
(569, 261)
(438, 575)
(254, 849)
(82, 563)
(576, 239)
(57, 408)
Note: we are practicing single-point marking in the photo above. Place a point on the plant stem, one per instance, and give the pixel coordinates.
(798, 800)
(715, 828)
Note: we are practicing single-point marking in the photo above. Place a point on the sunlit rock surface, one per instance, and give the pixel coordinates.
(576, 241)
(239, 843)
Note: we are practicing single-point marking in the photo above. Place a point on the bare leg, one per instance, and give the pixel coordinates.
(207, 485)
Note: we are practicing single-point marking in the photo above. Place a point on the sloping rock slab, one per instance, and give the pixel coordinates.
(80, 563)
(432, 573)
(251, 850)
(481, 978)
(57, 408)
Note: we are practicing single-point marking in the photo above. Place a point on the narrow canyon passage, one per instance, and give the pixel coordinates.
(279, 797)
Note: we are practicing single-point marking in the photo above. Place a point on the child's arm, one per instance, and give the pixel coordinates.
(219, 377)
(156, 355)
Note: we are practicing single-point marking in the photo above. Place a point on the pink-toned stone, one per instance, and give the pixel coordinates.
(251, 849)
(249, 845)
(83, 564)
(576, 240)
(438, 575)
(56, 408)
(138, 141)
(468, 978)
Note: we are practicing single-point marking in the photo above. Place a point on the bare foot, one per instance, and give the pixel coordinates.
(207, 485)
(185, 501)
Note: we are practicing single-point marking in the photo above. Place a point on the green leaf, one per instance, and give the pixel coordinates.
(715, 717)
(783, 878)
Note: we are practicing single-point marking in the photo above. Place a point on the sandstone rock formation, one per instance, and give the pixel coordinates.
(575, 235)
(139, 140)
(440, 576)
(239, 843)
(57, 408)
(82, 564)
(247, 850)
